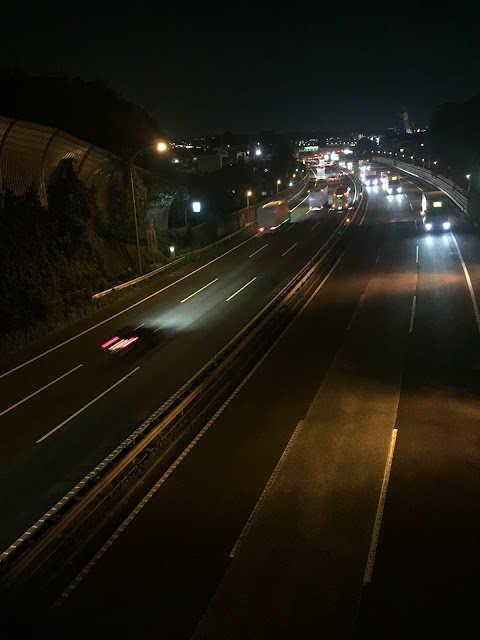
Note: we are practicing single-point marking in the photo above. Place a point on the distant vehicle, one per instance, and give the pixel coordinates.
(333, 178)
(341, 199)
(393, 185)
(436, 211)
(272, 215)
(384, 177)
(128, 339)
(370, 179)
(318, 199)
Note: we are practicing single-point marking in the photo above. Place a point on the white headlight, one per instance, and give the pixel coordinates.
(446, 225)
(399, 189)
(428, 226)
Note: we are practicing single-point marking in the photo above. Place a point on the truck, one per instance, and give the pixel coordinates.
(319, 198)
(271, 215)
(341, 199)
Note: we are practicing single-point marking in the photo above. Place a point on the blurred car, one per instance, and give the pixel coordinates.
(129, 339)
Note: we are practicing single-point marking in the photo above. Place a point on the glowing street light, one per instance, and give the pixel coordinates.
(196, 208)
(161, 147)
(249, 195)
(279, 182)
(468, 176)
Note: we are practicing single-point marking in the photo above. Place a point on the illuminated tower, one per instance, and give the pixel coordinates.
(406, 122)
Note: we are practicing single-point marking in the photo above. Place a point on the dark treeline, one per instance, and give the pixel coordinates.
(454, 136)
(49, 256)
(89, 110)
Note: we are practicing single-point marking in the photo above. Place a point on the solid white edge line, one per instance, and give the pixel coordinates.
(293, 245)
(469, 282)
(264, 493)
(198, 291)
(39, 390)
(258, 251)
(357, 308)
(132, 306)
(412, 315)
(241, 289)
(89, 404)
(378, 516)
(86, 570)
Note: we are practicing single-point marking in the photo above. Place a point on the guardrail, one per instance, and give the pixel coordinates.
(447, 186)
(68, 513)
(288, 194)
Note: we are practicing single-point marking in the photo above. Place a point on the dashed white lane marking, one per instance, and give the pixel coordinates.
(86, 570)
(357, 309)
(469, 282)
(410, 206)
(292, 247)
(198, 291)
(412, 315)
(40, 390)
(241, 289)
(256, 509)
(132, 306)
(416, 255)
(89, 404)
(378, 256)
(257, 251)
(315, 225)
(378, 517)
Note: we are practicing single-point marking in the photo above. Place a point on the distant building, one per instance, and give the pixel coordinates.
(209, 162)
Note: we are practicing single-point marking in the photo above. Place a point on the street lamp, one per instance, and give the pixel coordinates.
(412, 158)
(279, 182)
(160, 147)
(196, 208)
(249, 194)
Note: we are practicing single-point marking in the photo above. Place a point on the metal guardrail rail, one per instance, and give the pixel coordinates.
(72, 508)
(302, 184)
(447, 186)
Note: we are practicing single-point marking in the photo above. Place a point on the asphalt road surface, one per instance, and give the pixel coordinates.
(360, 427)
(335, 496)
(65, 405)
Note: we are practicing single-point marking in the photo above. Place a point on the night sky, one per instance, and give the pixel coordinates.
(204, 67)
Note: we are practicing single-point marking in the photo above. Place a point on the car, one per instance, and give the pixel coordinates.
(370, 179)
(131, 339)
(436, 220)
(393, 186)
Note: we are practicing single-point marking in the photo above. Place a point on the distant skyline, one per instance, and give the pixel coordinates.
(199, 69)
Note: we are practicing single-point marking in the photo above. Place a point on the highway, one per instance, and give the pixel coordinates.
(335, 496)
(64, 405)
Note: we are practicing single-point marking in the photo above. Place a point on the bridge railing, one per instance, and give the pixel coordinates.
(457, 195)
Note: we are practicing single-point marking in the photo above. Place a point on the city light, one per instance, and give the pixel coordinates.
(162, 146)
